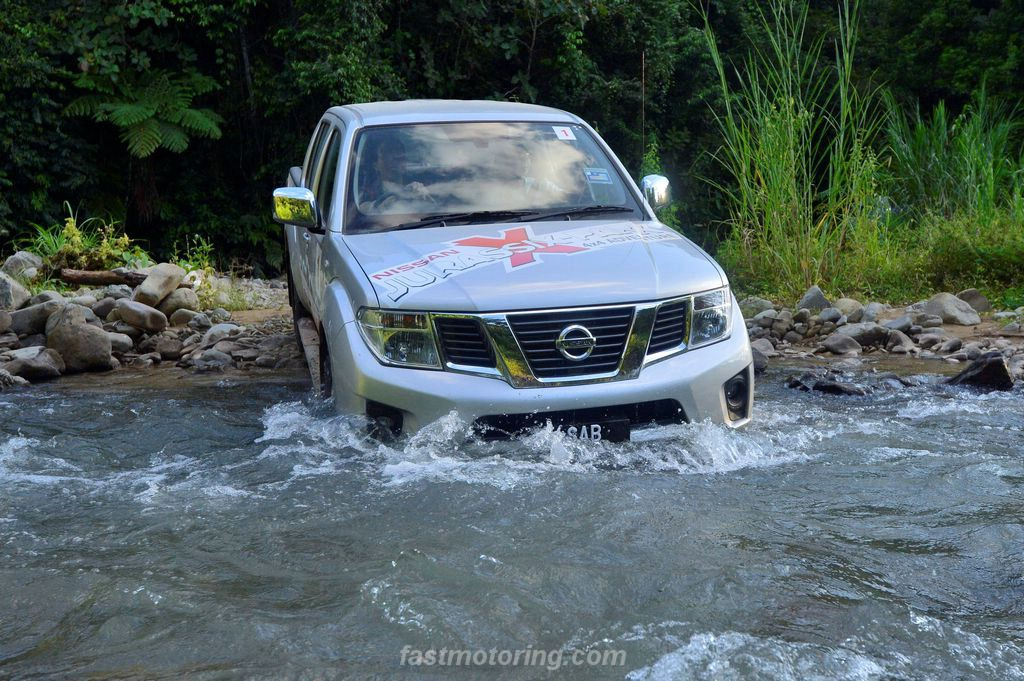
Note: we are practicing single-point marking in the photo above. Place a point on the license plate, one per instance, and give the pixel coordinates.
(608, 431)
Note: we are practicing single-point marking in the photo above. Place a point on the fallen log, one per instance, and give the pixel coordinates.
(106, 278)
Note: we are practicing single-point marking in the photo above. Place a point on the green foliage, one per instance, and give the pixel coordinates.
(196, 254)
(152, 114)
(90, 244)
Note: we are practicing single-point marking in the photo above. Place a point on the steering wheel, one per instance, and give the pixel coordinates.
(384, 198)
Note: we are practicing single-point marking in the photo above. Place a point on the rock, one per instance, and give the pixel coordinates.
(9, 381)
(988, 372)
(212, 360)
(140, 315)
(103, 307)
(120, 342)
(901, 324)
(802, 316)
(813, 300)
(762, 345)
(830, 314)
(975, 299)
(46, 296)
(841, 344)
(952, 345)
(125, 329)
(182, 317)
(865, 333)
(926, 320)
(12, 294)
(952, 310)
(33, 340)
(927, 340)
(84, 312)
(899, 343)
(836, 388)
(116, 291)
(871, 312)
(200, 322)
(760, 361)
(250, 354)
(84, 301)
(17, 265)
(751, 305)
(32, 319)
(849, 307)
(179, 299)
(219, 315)
(161, 281)
(218, 333)
(766, 318)
(8, 340)
(1011, 328)
(167, 347)
(793, 337)
(782, 324)
(83, 346)
(5, 321)
(41, 366)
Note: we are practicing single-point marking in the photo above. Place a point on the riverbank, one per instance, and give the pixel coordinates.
(161, 324)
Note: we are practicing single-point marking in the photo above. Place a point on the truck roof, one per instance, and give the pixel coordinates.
(440, 110)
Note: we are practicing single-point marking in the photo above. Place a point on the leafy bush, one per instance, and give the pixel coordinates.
(90, 244)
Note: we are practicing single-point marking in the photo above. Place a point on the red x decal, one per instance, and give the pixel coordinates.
(518, 242)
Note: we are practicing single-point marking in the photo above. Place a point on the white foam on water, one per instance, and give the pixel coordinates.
(733, 656)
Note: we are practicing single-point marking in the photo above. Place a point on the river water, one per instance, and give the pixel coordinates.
(223, 528)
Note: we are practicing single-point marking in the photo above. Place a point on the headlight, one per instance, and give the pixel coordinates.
(712, 312)
(400, 338)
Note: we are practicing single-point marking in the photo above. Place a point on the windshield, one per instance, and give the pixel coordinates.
(405, 174)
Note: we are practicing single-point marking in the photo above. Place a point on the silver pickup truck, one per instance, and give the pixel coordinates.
(496, 260)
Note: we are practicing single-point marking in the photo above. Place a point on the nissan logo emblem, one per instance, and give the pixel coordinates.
(575, 343)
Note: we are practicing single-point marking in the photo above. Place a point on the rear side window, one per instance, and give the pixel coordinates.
(329, 171)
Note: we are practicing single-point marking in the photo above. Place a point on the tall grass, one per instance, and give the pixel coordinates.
(797, 147)
(965, 166)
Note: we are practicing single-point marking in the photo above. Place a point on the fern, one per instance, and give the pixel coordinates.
(155, 114)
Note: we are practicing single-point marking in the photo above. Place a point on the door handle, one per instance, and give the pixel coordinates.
(305, 236)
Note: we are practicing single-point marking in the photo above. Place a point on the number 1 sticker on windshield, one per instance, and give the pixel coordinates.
(563, 132)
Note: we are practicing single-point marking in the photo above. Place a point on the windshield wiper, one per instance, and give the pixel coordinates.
(582, 210)
(472, 216)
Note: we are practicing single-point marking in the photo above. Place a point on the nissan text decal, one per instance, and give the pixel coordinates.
(516, 248)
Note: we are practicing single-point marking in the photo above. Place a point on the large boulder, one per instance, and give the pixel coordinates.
(764, 346)
(751, 305)
(20, 262)
(182, 317)
(120, 343)
(84, 347)
(85, 313)
(179, 299)
(12, 294)
(988, 372)
(952, 310)
(899, 343)
(40, 365)
(849, 307)
(140, 315)
(217, 333)
(865, 333)
(841, 344)
(975, 299)
(813, 300)
(871, 312)
(32, 319)
(159, 283)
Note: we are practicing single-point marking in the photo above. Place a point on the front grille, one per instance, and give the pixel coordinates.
(463, 342)
(537, 332)
(639, 414)
(669, 327)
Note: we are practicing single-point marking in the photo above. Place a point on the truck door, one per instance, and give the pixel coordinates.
(312, 246)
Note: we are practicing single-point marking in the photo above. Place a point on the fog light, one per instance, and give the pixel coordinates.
(737, 395)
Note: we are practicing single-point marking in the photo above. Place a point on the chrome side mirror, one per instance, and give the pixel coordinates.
(656, 190)
(296, 206)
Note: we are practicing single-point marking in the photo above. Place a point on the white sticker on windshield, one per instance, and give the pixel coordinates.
(597, 175)
(563, 132)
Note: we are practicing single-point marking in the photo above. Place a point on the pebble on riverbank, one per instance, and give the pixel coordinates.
(946, 327)
(50, 334)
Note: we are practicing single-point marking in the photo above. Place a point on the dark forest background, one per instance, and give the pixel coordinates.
(179, 117)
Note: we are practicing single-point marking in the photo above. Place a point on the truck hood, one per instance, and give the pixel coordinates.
(511, 266)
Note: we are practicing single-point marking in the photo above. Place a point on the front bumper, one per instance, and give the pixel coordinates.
(694, 378)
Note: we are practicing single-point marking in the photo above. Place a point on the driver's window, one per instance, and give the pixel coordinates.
(328, 172)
